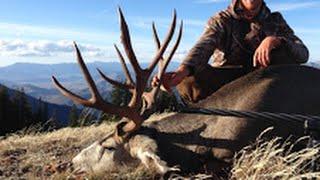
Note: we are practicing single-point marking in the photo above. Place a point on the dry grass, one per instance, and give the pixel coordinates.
(42, 155)
(275, 160)
(46, 156)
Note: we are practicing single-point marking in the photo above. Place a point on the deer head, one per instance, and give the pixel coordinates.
(115, 148)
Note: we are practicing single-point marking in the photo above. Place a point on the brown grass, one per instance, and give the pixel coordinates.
(47, 155)
(40, 156)
(275, 160)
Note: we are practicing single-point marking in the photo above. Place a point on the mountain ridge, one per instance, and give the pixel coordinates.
(60, 112)
(35, 78)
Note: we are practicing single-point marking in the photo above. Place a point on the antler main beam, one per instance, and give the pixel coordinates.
(165, 44)
(151, 96)
(96, 101)
(124, 66)
(126, 41)
(132, 111)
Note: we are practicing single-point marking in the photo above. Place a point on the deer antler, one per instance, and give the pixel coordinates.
(163, 64)
(132, 111)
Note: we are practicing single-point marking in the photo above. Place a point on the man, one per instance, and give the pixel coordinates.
(245, 35)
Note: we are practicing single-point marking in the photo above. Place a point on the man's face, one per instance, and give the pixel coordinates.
(251, 8)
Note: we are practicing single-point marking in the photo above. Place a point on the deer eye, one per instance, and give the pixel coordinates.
(110, 148)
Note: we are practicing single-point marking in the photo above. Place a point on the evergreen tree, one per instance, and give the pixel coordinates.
(51, 123)
(45, 112)
(4, 109)
(119, 97)
(3, 101)
(41, 115)
(166, 102)
(74, 116)
(37, 116)
(26, 109)
(17, 110)
(24, 116)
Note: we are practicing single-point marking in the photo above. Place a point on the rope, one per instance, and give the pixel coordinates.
(252, 115)
(310, 122)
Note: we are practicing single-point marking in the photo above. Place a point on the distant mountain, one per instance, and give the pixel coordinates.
(35, 79)
(61, 112)
(54, 96)
(40, 74)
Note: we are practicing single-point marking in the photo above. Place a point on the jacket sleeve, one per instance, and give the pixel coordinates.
(294, 45)
(210, 39)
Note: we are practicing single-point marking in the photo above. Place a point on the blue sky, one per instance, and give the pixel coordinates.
(42, 31)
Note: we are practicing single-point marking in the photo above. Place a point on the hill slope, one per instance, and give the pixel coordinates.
(48, 156)
(61, 112)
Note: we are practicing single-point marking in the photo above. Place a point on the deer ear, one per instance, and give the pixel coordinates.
(144, 149)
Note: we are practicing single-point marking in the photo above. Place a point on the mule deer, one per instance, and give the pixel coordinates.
(192, 142)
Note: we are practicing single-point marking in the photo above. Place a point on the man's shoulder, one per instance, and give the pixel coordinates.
(275, 17)
(221, 17)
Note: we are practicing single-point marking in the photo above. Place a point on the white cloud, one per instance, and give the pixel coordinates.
(22, 31)
(52, 51)
(44, 48)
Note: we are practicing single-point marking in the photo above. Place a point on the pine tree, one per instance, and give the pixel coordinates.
(26, 109)
(22, 110)
(74, 116)
(41, 115)
(37, 116)
(45, 112)
(4, 109)
(3, 101)
(166, 102)
(17, 110)
(119, 97)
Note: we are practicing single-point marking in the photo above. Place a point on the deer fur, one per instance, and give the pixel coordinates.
(193, 142)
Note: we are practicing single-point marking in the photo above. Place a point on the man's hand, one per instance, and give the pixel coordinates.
(262, 54)
(171, 78)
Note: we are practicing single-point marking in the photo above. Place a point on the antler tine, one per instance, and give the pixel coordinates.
(135, 113)
(126, 41)
(70, 94)
(115, 83)
(96, 100)
(165, 63)
(155, 36)
(124, 66)
(92, 86)
(150, 97)
(175, 47)
(158, 44)
(165, 44)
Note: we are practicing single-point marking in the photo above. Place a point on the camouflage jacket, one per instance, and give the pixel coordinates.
(231, 40)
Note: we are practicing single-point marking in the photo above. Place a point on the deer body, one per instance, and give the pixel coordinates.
(192, 142)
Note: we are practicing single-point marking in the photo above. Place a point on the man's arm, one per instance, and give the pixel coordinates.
(199, 55)
(288, 39)
(211, 38)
